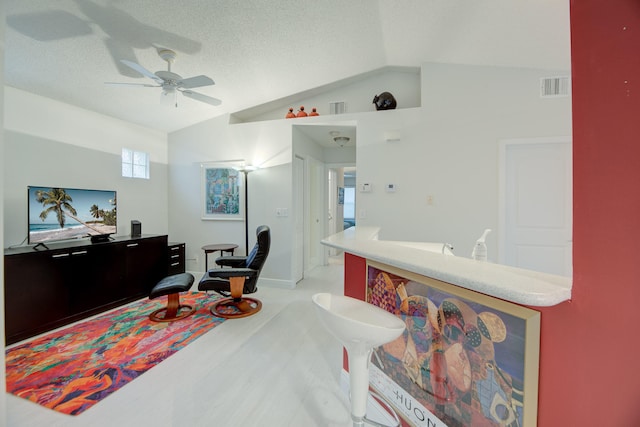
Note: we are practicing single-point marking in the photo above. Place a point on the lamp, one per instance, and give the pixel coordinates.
(340, 140)
(245, 169)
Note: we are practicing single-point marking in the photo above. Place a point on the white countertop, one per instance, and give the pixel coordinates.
(520, 286)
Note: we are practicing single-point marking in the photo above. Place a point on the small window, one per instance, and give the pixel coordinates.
(135, 164)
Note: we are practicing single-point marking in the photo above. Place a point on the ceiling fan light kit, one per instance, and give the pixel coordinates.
(171, 83)
(169, 97)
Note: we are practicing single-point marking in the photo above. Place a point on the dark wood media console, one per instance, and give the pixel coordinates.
(48, 288)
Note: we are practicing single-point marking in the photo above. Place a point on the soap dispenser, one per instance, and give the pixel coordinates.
(479, 252)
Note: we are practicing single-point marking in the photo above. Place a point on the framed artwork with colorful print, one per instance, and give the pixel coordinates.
(222, 193)
(465, 359)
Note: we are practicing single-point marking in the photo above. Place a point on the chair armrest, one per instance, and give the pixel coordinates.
(225, 273)
(236, 261)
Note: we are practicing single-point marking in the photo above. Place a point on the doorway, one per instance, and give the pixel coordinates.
(317, 150)
(341, 185)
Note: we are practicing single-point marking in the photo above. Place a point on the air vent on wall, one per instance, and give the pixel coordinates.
(339, 107)
(554, 87)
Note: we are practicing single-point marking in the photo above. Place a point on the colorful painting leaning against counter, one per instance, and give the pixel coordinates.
(464, 359)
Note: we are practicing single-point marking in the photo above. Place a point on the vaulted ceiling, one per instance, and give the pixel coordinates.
(258, 51)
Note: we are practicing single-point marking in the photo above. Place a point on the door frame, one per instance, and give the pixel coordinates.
(316, 212)
(299, 220)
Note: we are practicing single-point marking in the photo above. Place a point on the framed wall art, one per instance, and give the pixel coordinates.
(222, 193)
(465, 359)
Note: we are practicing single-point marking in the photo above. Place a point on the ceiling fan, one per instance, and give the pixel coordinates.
(171, 83)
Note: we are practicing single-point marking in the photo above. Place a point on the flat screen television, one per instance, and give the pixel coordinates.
(69, 213)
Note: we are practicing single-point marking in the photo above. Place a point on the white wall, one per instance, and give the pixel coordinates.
(3, 402)
(50, 119)
(448, 152)
(265, 144)
(265, 139)
(51, 143)
(357, 93)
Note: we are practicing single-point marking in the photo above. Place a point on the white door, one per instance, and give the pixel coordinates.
(537, 205)
(299, 215)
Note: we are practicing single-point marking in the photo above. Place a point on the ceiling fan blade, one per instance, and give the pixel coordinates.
(197, 81)
(131, 84)
(200, 97)
(139, 68)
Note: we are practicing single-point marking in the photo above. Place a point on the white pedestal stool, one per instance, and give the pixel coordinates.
(360, 327)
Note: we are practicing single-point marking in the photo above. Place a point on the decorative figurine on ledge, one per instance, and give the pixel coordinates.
(385, 101)
(290, 114)
(301, 112)
(313, 112)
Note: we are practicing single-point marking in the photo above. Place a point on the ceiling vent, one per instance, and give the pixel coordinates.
(554, 87)
(339, 107)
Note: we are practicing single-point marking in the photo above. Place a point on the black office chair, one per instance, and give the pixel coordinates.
(236, 276)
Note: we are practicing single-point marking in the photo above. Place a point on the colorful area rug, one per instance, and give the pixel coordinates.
(72, 369)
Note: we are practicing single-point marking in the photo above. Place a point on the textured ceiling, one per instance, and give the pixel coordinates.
(258, 51)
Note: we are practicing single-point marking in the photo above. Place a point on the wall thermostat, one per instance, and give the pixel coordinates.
(391, 188)
(365, 188)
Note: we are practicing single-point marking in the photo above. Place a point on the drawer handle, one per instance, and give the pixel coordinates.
(174, 264)
(175, 248)
(175, 256)
(60, 255)
(79, 253)
(132, 245)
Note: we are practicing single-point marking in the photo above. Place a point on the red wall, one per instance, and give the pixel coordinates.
(594, 375)
(590, 346)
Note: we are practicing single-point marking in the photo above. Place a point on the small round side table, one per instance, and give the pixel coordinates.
(222, 247)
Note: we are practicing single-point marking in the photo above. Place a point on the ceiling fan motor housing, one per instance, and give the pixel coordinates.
(169, 77)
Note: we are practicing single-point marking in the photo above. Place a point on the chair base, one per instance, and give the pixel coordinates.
(235, 308)
(173, 311)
